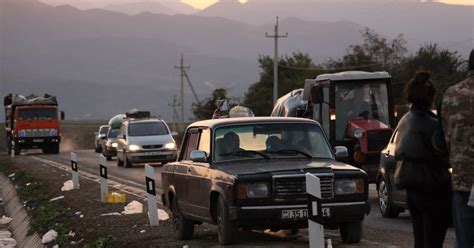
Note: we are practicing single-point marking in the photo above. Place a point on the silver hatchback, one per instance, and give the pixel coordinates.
(145, 141)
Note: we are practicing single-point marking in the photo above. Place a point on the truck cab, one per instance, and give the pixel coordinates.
(354, 108)
(32, 122)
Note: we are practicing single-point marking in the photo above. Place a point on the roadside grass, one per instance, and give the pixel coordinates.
(102, 242)
(44, 214)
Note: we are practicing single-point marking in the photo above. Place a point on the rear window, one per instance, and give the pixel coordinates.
(103, 130)
(38, 114)
(113, 133)
(147, 129)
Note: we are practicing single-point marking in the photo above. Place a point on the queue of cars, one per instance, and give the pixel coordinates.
(136, 137)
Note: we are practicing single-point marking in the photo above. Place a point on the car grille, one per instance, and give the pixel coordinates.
(46, 132)
(294, 188)
(152, 146)
(376, 141)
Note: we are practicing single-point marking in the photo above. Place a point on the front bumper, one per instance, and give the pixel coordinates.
(271, 216)
(37, 142)
(152, 156)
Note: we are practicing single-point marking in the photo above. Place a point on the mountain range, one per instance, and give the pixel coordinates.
(103, 61)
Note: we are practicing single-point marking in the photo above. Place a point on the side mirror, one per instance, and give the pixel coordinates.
(317, 95)
(341, 152)
(199, 156)
(96, 133)
(63, 116)
(174, 134)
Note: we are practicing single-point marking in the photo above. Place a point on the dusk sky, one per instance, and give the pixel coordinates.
(199, 4)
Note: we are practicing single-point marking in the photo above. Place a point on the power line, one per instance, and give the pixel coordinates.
(182, 68)
(175, 104)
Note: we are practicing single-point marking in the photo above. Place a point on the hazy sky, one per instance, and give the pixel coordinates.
(199, 4)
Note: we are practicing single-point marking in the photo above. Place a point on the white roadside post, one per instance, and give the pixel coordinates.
(75, 176)
(104, 184)
(151, 195)
(316, 231)
(13, 149)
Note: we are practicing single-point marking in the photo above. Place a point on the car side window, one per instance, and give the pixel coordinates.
(205, 141)
(192, 140)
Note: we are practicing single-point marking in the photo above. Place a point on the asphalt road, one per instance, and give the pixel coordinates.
(378, 231)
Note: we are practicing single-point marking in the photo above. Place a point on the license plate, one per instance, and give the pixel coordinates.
(152, 153)
(326, 212)
(38, 140)
(294, 214)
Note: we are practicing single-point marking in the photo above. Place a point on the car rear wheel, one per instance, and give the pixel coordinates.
(126, 162)
(226, 229)
(385, 203)
(183, 228)
(351, 232)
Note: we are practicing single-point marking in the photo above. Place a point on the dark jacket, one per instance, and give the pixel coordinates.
(420, 141)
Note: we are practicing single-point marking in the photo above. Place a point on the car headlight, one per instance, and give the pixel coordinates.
(21, 133)
(133, 148)
(170, 146)
(357, 133)
(114, 144)
(349, 186)
(53, 132)
(253, 190)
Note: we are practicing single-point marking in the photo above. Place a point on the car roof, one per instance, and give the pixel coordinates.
(212, 123)
(353, 75)
(132, 120)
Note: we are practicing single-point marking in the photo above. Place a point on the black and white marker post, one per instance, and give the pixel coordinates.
(75, 176)
(315, 215)
(13, 149)
(151, 195)
(104, 185)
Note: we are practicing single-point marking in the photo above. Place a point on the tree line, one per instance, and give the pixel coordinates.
(376, 53)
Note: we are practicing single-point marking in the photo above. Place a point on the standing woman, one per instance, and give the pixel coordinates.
(421, 152)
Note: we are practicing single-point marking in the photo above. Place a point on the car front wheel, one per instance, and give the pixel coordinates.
(351, 232)
(226, 229)
(183, 228)
(385, 204)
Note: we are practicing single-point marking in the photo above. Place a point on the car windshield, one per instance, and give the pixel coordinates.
(38, 114)
(113, 133)
(103, 130)
(147, 129)
(356, 100)
(268, 141)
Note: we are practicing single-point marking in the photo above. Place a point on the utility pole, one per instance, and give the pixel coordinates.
(175, 112)
(182, 68)
(275, 36)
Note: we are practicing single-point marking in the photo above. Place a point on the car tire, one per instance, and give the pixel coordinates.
(385, 202)
(351, 232)
(55, 149)
(226, 229)
(126, 162)
(109, 158)
(183, 228)
(119, 162)
(17, 150)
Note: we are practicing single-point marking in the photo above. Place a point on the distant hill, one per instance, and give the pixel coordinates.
(420, 22)
(168, 8)
(99, 61)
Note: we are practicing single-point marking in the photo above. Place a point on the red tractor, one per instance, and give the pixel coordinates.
(354, 108)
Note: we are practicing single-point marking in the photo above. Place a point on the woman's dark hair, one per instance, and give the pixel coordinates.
(420, 90)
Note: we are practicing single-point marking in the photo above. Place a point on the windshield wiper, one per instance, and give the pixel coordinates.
(243, 152)
(294, 151)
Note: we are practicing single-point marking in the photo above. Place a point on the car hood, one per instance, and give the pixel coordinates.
(150, 140)
(276, 166)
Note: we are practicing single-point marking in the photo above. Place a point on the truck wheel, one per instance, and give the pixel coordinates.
(55, 149)
(17, 150)
(226, 229)
(385, 203)
(183, 228)
(351, 232)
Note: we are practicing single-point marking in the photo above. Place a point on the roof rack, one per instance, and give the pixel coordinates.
(136, 114)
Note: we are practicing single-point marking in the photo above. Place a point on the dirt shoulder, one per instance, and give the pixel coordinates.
(80, 211)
